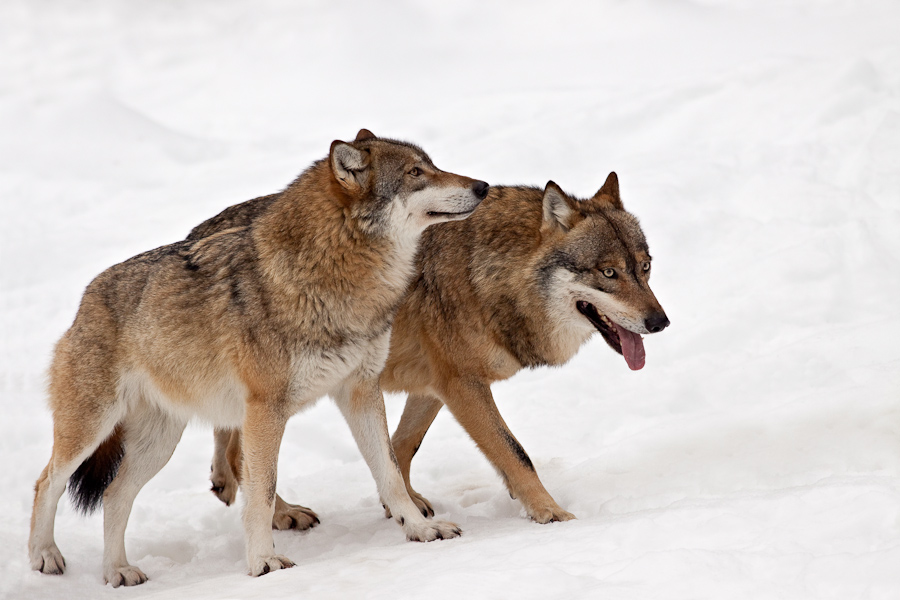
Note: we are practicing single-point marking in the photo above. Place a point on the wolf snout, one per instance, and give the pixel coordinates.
(657, 322)
(480, 188)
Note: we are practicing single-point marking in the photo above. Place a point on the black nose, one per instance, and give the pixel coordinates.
(656, 323)
(481, 189)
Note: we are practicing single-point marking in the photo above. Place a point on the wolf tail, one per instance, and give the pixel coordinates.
(93, 476)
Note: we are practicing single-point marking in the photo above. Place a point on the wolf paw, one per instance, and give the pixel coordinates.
(126, 576)
(224, 486)
(293, 516)
(49, 561)
(267, 564)
(429, 531)
(548, 514)
(419, 500)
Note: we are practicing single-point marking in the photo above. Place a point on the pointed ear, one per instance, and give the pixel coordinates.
(363, 135)
(609, 191)
(349, 165)
(556, 207)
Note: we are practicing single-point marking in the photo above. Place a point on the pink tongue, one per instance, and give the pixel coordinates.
(632, 348)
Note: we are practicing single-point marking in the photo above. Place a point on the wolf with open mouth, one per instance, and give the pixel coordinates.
(524, 282)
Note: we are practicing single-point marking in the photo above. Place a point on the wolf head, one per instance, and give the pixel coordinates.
(393, 188)
(597, 273)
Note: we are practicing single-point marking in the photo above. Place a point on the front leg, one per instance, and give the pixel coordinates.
(263, 429)
(473, 406)
(362, 405)
(226, 475)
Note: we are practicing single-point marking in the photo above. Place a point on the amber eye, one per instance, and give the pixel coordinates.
(415, 171)
(609, 273)
(646, 266)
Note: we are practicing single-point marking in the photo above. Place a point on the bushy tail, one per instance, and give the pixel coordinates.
(93, 476)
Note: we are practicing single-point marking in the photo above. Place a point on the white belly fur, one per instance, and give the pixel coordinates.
(222, 401)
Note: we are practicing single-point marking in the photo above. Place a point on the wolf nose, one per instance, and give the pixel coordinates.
(656, 323)
(481, 189)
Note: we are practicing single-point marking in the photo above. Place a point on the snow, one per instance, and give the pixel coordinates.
(757, 455)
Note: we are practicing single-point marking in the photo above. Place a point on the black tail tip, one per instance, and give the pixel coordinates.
(90, 480)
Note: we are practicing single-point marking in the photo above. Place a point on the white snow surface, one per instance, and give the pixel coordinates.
(758, 453)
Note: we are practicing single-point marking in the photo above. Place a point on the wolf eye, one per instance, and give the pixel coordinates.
(646, 266)
(609, 273)
(415, 171)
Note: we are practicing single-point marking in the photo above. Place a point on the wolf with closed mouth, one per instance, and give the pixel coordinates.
(522, 283)
(243, 329)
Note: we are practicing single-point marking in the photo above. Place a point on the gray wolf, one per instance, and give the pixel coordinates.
(245, 328)
(522, 283)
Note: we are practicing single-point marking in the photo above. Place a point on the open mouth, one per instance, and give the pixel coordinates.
(625, 342)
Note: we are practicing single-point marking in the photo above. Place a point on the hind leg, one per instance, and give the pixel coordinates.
(83, 380)
(418, 415)
(150, 437)
(76, 435)
(225, 478)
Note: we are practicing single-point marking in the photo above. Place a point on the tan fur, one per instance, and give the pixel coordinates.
(244, 328)
(497, 293)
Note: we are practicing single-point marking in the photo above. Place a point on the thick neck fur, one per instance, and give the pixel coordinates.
(313, 254)
(514, 257)
(500, 251)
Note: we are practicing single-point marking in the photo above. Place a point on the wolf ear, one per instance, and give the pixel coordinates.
(556, 207)
(609, 191)
(363, 135)
(349, 165)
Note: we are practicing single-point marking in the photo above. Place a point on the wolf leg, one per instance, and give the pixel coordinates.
(362, 405)
(85, 413)
(150, 437)
(418, 415)
(74, 440)
(262, 432)
(228, 472)
(473, 406)
(224, 480)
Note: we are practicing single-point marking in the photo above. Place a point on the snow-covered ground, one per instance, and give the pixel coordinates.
(758, 453)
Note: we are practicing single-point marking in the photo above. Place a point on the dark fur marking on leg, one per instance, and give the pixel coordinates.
(517, 449)
(93, 476)
(394, 459)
